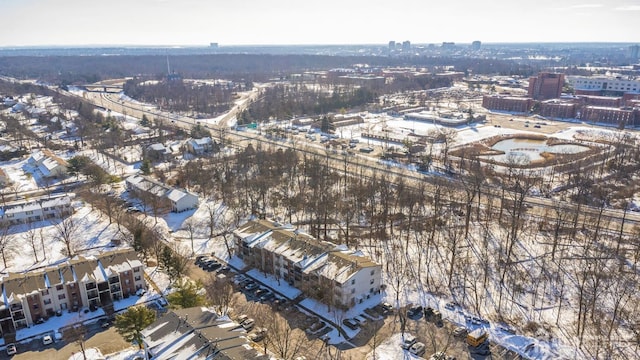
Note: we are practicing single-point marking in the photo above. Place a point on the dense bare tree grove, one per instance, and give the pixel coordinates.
(538, 269)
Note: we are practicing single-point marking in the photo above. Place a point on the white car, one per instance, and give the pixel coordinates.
(408, 341)
(46, 340)
(11, 349)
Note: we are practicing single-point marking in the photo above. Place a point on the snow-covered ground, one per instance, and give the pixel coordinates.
(92, 235)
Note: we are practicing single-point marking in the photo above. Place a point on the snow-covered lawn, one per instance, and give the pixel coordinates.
(92, 235)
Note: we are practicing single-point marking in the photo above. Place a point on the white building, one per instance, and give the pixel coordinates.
(49, 164)
(200, 146)
(604, 83)
(331, 273)
(175, 199)
(38, 209)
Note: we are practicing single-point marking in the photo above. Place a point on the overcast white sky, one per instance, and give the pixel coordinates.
(236, 22)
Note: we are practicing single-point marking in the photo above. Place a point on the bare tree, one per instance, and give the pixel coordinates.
(31, 236)
(66, 232)
(5, 245)
(77, 334)
(220, 294)
(284, 341)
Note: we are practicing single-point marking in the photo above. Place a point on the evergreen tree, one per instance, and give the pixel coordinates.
(131, 323)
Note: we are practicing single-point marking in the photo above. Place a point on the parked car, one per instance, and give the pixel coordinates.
(361, 320)
(417, 349)
(105, 323)
(242, 318)
(460, 332)
(350, 323)
(46, 340)
(251, 286)
(267, 297)
(440, 355)
(414, 311)
(258, 293)
(258, 334)
(315, 327)
(11, 349)
(248, 324)
(387, 307)
(408, 341)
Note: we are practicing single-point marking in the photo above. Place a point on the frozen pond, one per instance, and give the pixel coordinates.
(530, 149)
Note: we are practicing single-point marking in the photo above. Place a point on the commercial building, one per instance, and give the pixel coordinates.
(93, 282)
(161, 195)
(36, 209)
(197, 334)
(601, 85)
(546, 86)
(330, 273)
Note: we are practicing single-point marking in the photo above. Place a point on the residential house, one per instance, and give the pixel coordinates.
(165, 196)
(49, 164)
(330, 273)
(32, 297)
(157, 152)
(200, 146)
(37, 209)
(196, 333)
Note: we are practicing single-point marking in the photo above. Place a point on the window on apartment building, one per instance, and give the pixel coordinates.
(47, 301)
(373, 272)
(126, 272)
(59, 287)
(29, 212)
(137, 278)
(44, 292)
(126, 281)
(353, 281)
(136, 270)
(371, 282)
(370, 290)
(61, 297)
(353, 291)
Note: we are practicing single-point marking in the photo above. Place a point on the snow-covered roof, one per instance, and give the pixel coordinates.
(193, 333)
(158, 189)
(305, 252)
(36, 204)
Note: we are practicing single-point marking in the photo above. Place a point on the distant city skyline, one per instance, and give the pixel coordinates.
(289, 22)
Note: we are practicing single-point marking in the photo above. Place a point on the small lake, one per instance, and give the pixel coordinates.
(530, 149)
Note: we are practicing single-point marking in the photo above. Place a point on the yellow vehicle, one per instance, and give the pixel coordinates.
(477, 337)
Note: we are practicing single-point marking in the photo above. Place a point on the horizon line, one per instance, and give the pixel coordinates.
(296, 44)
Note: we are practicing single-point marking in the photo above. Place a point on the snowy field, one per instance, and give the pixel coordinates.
(38, 244)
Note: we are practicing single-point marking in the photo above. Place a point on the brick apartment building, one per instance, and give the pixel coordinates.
(329, 273)
(507, 103)
(546, 86)
(28, 298)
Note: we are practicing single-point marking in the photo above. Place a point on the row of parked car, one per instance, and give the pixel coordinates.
(254, 291)
(208, 263)
(410, 343)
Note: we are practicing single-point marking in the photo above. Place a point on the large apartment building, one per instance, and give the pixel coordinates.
(330, 273)
(32, 297)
